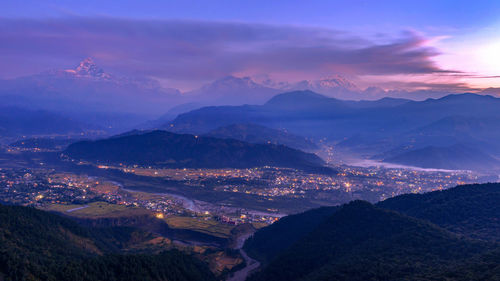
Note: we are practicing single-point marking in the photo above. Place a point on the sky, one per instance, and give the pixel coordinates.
(452, 45)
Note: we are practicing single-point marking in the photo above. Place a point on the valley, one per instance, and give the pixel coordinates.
(206, 201)
(206, 192)
(249, 140)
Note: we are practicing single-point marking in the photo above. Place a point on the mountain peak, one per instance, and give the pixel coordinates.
(235, 82)
(88, 68)
(333, 84)
(336, 81)
(87, 65)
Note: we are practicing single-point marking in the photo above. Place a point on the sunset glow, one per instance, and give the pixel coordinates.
(187, 49)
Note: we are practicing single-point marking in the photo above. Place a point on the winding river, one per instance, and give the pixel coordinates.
(251, 264)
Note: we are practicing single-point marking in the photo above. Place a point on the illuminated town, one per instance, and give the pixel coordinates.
(43, 187)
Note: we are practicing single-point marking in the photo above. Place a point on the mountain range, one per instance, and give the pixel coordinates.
(382, 129)
(87, 87)
(395, 130)
(232, 90)
(91, 95)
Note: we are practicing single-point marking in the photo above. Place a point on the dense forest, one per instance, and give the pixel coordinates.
(37, 245)
(471, 210)
(442, 235)
(269, 241)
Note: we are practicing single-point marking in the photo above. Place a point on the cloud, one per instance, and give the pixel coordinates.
(451, 87)
(199, 50)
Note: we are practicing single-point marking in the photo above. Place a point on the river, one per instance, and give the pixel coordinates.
(76, 209)
(186, 202)
(251, 264)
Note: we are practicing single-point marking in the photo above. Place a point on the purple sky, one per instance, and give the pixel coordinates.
(394, 45)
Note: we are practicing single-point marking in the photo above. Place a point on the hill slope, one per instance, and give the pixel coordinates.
(165, 149)
(471, 210)
(270, 241)
(365, 242)
(455, 157)
(362, 242)
(259, 134)
(36, 245)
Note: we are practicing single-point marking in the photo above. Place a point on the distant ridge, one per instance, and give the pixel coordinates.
(15, 121)
(260, 134)
(380, 129)
(296, 97)
(455, 157)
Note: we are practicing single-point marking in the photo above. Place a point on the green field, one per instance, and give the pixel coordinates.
(97, 210)
(210, 227)
(105, 210)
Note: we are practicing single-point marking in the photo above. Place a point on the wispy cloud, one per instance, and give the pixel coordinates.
(198, 50)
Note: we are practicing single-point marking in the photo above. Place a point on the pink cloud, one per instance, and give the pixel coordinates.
(200, 51)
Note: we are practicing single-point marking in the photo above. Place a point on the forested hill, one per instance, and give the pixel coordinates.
(432, 236)
(471, 210)
(36, 245)
(268, 242)
(162, 148)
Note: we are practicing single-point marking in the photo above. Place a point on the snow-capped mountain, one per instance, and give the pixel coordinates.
(88, 87)
(87, 68)
(232, 90)
(336, 81)
(334, 86)
(326, 84)
(231, 83)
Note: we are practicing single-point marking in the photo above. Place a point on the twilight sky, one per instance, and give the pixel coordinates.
(394, 44)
